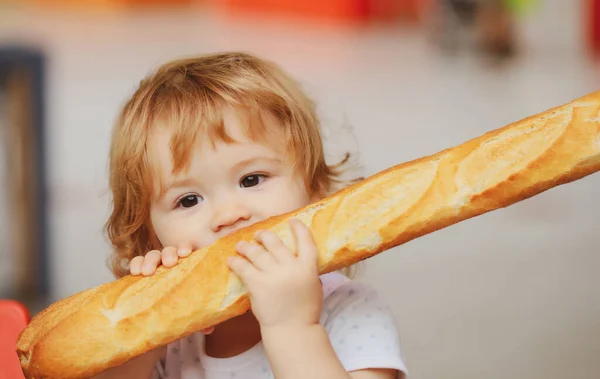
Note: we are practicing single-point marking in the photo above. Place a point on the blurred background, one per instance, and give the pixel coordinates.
(513, 293)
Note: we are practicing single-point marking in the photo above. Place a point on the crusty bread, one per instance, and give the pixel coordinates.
(105, 326)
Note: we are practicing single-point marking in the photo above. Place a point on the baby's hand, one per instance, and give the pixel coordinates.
(148, 264)
(284, 287)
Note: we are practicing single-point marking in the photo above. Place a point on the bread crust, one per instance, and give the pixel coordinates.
(91, 331)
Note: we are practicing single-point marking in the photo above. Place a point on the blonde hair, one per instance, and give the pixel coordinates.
(188, 95)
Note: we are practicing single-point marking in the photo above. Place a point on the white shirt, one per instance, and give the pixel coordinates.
(360, 325)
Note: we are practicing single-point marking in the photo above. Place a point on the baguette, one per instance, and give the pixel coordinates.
(91, 331)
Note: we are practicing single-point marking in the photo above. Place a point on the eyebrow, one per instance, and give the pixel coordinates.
(183, 182)
(190, 181)
(248, 161)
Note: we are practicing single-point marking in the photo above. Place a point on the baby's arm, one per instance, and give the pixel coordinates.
(306, 352)
(361, 333)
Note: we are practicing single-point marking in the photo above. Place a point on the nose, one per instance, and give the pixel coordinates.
(229, 214)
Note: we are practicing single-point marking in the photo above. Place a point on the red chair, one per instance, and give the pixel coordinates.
(14, 317)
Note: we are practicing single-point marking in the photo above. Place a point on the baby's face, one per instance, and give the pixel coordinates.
(227, 186)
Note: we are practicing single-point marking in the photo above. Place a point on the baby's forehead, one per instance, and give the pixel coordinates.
(170, 153)
(177, 142)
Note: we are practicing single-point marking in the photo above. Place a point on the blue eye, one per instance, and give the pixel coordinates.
(188, 201)
(251, 180)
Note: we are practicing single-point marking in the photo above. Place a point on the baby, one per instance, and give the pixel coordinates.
(206, 146)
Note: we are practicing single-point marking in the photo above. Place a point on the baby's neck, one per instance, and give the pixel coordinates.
(233, 337)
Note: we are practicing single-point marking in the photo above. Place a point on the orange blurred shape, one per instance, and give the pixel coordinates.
(14, 317)
(592, 26)
(106, 4)
(344, 11)
(340, 10)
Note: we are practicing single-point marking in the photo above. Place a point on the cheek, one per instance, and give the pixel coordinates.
(166, 232)
(300, 196)
(177, 229)
(285, 198)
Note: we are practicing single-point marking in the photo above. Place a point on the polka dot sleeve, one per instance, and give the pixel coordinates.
(362, 328)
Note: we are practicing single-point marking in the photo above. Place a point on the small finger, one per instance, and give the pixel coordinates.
(275, 245)
(307, 249)
(135, 265)
(184, 250)
(256, 255)
(151, 262)
(242, 268)
(169, 256)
